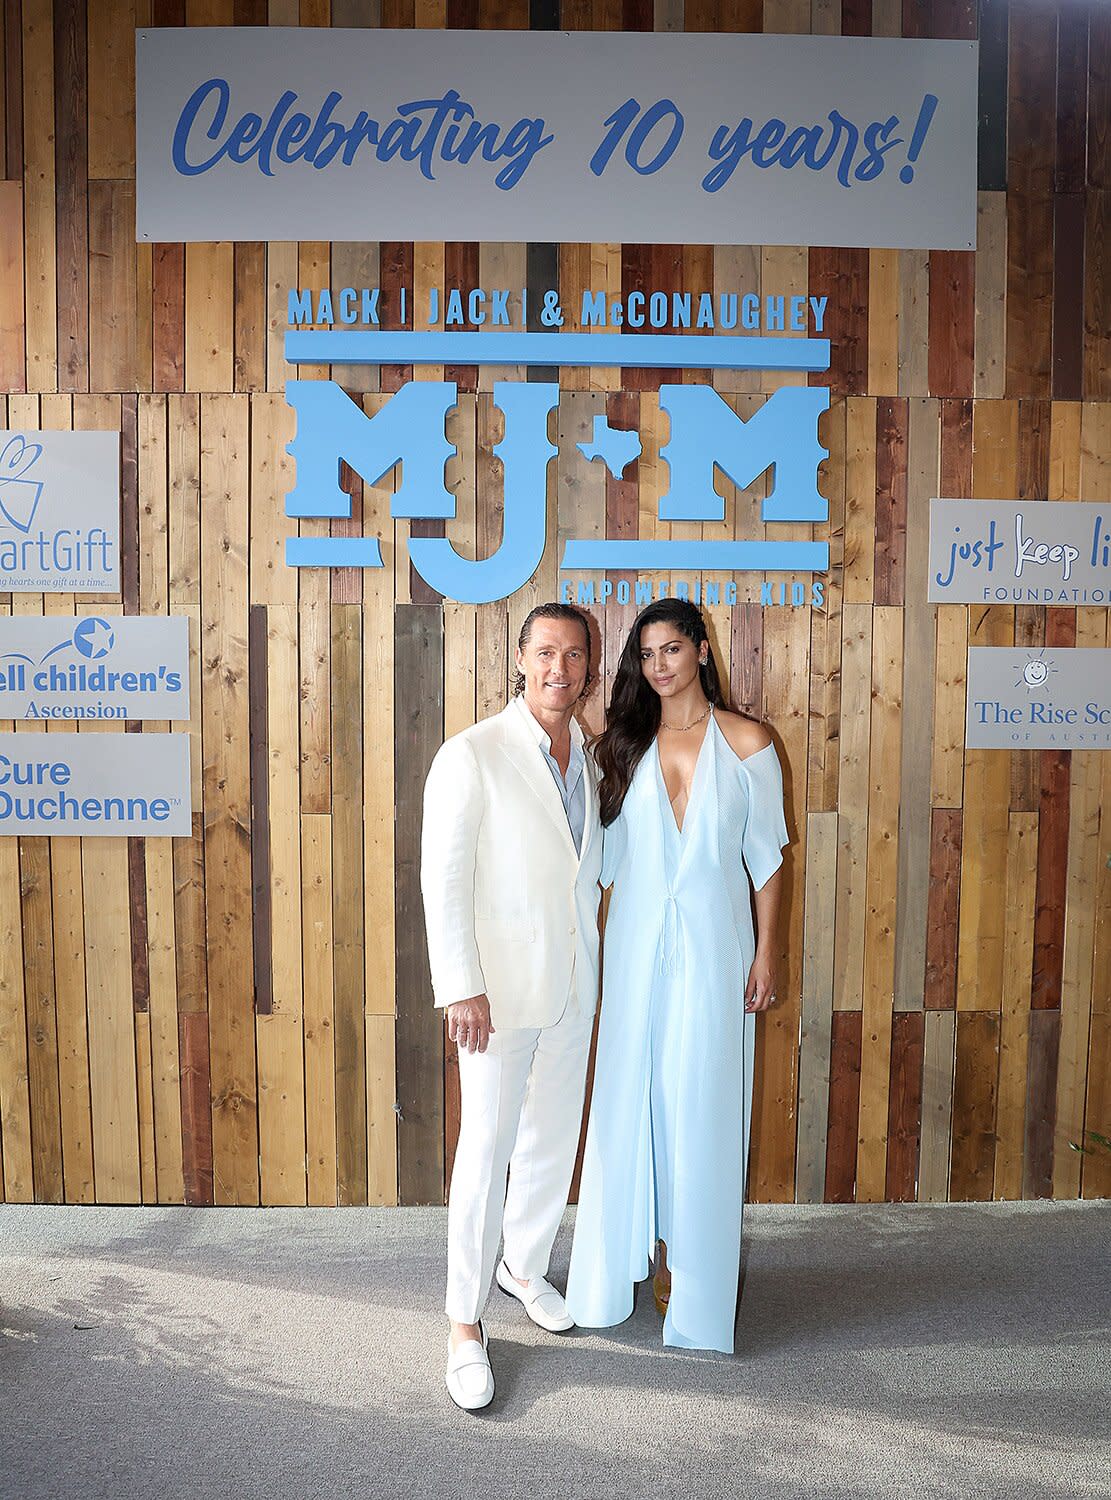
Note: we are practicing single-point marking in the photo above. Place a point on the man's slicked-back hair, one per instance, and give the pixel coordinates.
(555, 611)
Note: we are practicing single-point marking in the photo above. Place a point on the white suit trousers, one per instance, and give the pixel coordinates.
(520, 1108)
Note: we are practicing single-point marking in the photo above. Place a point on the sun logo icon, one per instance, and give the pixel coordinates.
(1035, 674)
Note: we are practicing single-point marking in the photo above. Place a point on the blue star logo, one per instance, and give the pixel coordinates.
(615, 446)
(94, 638)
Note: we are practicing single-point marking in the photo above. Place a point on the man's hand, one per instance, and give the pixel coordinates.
(468, 1023)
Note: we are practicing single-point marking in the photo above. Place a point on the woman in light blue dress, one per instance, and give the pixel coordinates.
(692, 800)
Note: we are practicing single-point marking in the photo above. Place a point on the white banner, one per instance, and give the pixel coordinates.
(60, 512)
(118, 667)
(95, 785)
(265, 133)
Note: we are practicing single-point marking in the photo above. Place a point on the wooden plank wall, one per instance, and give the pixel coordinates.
(243, 1017)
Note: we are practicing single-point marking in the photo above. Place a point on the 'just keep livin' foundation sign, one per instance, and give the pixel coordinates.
(270, 133)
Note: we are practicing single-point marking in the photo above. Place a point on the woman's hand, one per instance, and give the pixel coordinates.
(760, 990)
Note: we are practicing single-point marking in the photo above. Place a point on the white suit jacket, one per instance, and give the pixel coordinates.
(511, 910)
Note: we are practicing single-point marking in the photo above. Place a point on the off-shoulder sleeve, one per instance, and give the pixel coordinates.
(765, 832)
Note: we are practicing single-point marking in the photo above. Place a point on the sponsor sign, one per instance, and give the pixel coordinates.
(95, 785)
(289, 133)
(60, 512)
(1019, 552)
(122, 667)
(1038, 698)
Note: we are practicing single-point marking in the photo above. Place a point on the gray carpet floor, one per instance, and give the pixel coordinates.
(954, 1351)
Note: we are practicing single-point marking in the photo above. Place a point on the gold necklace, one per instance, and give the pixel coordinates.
(680, 728)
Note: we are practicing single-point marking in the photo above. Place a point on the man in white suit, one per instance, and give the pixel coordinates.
(510, 859)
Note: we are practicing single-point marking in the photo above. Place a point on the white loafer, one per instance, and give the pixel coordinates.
(470, 1380)
(539, 1298)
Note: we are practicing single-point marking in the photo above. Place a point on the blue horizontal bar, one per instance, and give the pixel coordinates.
(636, 351)
(698, 557)
(333, 552)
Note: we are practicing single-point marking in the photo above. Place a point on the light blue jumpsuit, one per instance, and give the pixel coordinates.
(667, 1142)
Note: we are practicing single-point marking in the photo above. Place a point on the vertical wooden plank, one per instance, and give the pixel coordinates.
(12, 161)
(418, 697)
(15, 1103)
(382, 1110)
(860, 501)
(165, 1059)
(844, 1098)
(12, 325)
(250, 316)
(113, 349)
(817, 1006)
(775, 1102)
(991, 293)
(1014, 1031)
(891, 501)
(914, 322)
(39, 226)
(841, 275)
(67, 908)
(1032, 66)
(42, 1026)
(918, 701)
(112, 88)
(883, 322)
(1096, 1167)
(319, 1008)
(943, 907)
(1041, 1103)
(879, 935)
(210, 317)
(975, 1081)
(70, 123)
(348, 903)
(904, 1120)
(168, 317)
(952, 322)
(227, 798)
(852, 825)
(937, 1106)
(111, 1022)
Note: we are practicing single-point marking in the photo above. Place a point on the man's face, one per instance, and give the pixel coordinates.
(554, 662)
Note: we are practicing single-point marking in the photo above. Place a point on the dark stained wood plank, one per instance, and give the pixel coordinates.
(844, 1106)
(113, 362)
(856, 17)
(953, 20)
(952, 322)
(396, 273)
(975, 1085)
(250, 316)
(140, 949)
(169, 317)
(647, 269)
(13, 89)
(747, 659)
(71, 188)
(891, 500)
(258, 731)
(250, 12)
(461, 270)
(1097, 295)
(461, 15)
(1041, 1103)
(1099, 97)
(418, 717)
(348, 943)
(1033, 449)
(1049, 907)
(1031, 137)
(42, 1021)
(904, 1120)
(943, 908)
(992, 143)
(196, 1110)
(1072, 99)
(1029, 305)
(842, 276)
(956, 449)
(1068, 296)
(541, 275)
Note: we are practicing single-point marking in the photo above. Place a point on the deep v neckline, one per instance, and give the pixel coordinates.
(680, 828)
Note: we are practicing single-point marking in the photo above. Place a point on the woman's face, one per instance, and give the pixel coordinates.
(669, 659)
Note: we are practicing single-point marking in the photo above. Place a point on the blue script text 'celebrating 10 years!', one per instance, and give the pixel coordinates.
(447, 131)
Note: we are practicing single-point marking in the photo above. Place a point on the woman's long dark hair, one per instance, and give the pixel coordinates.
(634, 711)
